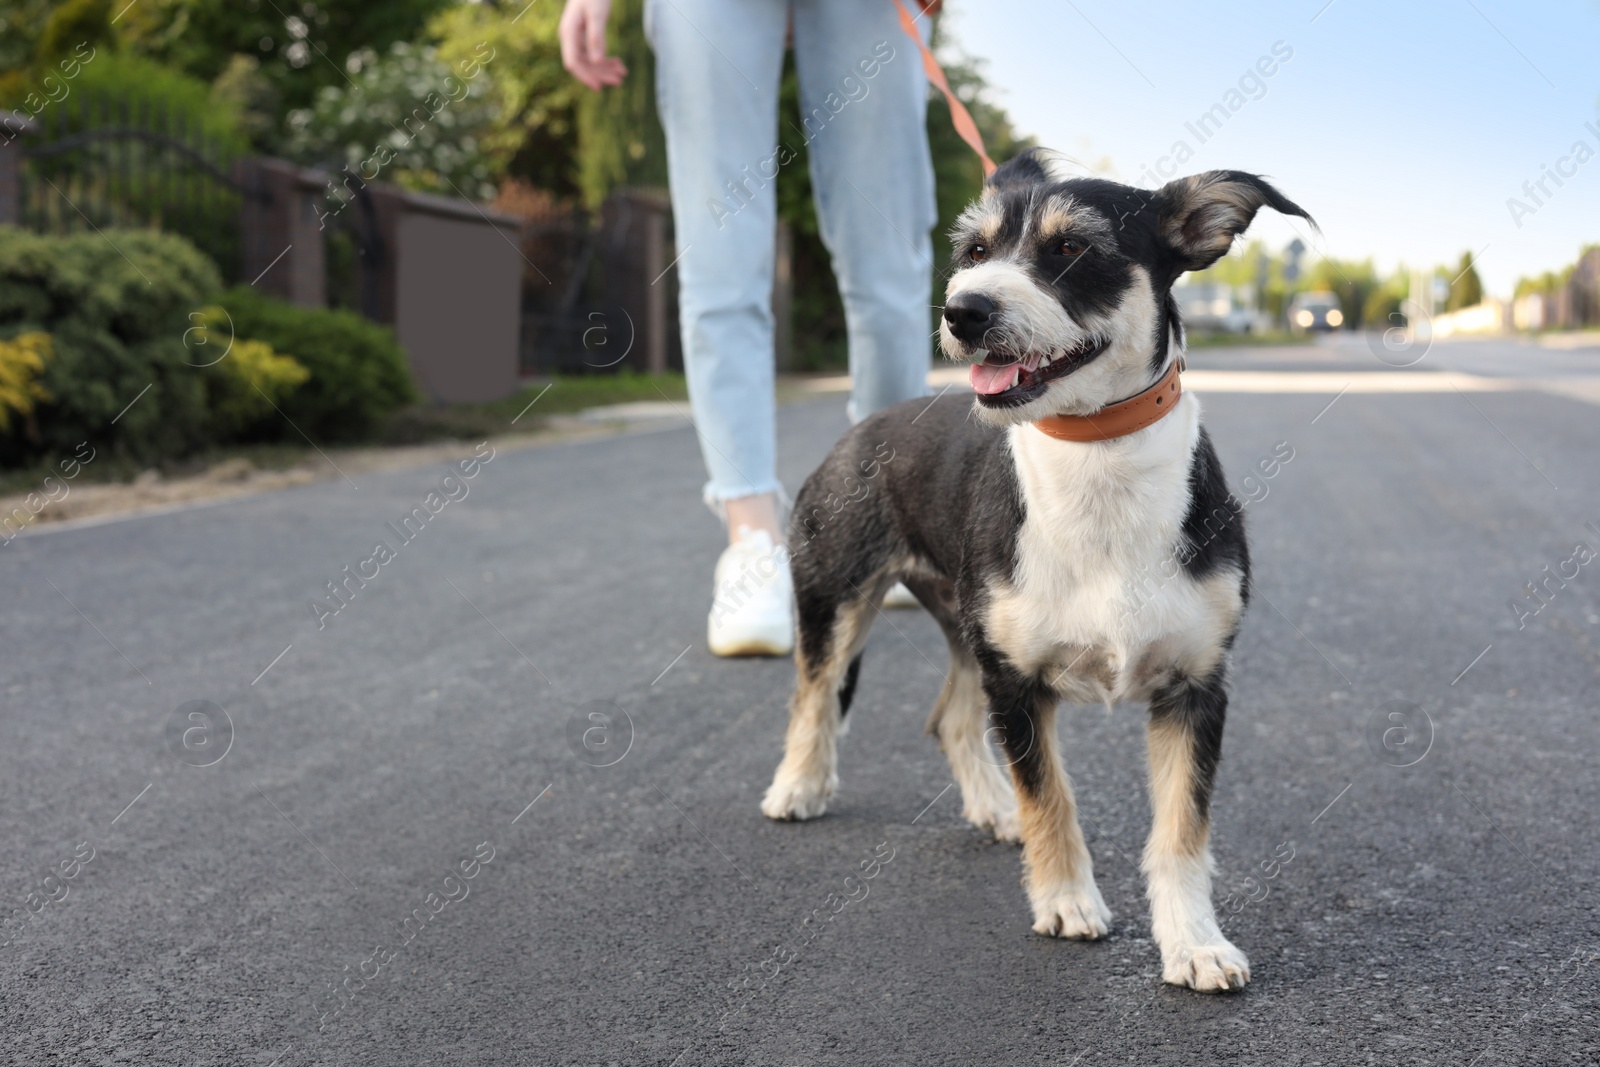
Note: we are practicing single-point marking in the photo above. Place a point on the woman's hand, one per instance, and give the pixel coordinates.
(583, 44)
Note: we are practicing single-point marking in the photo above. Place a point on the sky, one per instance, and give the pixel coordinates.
(1402, 126)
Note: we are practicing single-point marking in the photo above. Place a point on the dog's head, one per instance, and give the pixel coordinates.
(1060, 291)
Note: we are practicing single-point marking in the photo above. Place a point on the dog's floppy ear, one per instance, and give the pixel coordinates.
(1201, 215)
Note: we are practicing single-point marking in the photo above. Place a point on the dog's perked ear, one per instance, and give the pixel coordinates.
(1030, 167)
(1201, 215)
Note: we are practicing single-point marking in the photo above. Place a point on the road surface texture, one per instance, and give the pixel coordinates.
(1407, 812)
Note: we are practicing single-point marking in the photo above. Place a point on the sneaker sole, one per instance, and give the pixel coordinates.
(753, 647)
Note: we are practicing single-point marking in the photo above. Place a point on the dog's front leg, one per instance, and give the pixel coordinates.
(1184, 738)
(1060, 874)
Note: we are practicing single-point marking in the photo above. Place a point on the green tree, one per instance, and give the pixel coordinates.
(1544, 284)
(71, 24)
(1365, 297)
(37, 35)
(549, 129)
(21, 22)
(406, 117)
(1465, 290)
(1351, 281)
(534, 135)
(1384, 307)
(302, 47)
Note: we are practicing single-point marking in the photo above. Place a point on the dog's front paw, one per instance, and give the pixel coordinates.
(795, 798)
(1073, 911)
(1217, 967)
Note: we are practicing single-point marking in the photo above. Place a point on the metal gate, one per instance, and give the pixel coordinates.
(96, 162)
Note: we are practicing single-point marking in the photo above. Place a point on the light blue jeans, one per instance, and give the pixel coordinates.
(864, 100)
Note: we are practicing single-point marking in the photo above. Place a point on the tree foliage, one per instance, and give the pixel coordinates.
(35, 35)
(549, 130)
(1365, 296)
(302, 47)
(406, 117)
(957, 171)
(1465, 288)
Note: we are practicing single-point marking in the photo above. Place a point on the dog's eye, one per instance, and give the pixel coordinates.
(978, 253)
(1072, 247)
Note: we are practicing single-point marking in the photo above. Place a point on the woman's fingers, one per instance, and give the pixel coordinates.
(583, 44)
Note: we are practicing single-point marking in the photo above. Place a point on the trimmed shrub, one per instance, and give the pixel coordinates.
(253, 380)
(358, 369)
(93, 323)
(22, 360)
(110, 338)
(115, 306)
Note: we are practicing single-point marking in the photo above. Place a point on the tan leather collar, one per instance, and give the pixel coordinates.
(1123, 417)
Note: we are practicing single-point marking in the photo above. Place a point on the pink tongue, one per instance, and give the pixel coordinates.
(990, 380)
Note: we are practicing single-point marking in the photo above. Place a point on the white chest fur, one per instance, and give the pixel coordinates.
(1098, 603)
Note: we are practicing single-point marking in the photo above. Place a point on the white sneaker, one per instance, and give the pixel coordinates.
(899, 596)
(752, 610)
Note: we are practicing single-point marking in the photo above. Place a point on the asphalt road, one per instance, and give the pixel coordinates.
(1442, 912)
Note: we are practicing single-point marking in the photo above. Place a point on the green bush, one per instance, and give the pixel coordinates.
(129, 309)
(244, 400)
(115, 306)
(358, 369)
(22, 361)
(152, 88)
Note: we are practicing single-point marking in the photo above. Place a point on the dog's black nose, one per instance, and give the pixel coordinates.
(969, 316)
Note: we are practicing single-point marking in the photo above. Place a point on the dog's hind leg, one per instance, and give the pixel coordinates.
(1059, 873)
(960, 720)
(827, 659)
(1184, 738)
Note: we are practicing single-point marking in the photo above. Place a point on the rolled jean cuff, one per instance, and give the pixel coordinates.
(715, 497)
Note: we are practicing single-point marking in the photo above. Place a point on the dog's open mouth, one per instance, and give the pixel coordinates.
(1003, 380)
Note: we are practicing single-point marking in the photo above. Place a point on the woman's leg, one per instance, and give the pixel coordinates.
(718, 64)
(863, 100)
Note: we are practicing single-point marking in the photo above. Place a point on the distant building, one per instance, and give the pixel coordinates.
(1489, 316)
(1584, 289)
(1572, 305)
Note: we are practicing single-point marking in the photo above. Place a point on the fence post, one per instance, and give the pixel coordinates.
(379, 209)
(655, 294)
(783, 299)
(281, 249)
(637, 250)
(12, 126)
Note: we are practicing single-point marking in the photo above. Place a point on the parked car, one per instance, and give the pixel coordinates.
(1315, 311)
(1214, 307)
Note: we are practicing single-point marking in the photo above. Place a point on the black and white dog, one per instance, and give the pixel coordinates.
(1096, 570)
